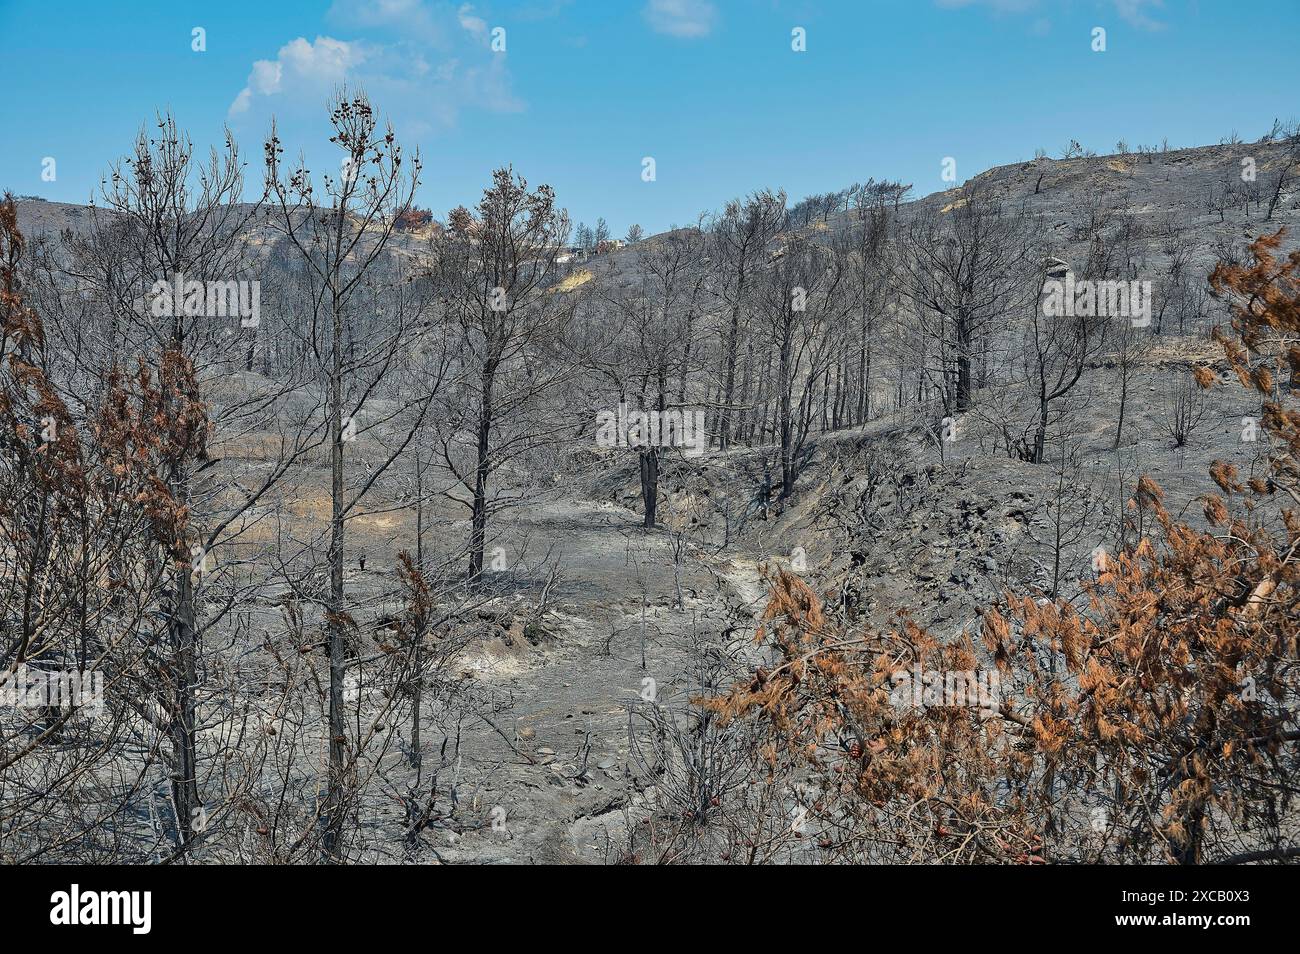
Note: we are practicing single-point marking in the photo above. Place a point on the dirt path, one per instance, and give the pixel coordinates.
(570, 699)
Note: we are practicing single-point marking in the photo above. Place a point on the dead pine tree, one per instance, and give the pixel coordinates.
(166, 216)
(340, 234)
(739, 237)
(493, 269)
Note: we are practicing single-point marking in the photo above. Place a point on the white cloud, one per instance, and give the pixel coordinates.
(266, 76)
(683, 18)
(410, 17)
(474, 26)
(1133, 12)
(301, 66)
(422, 83)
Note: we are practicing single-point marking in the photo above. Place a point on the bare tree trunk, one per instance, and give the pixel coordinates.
(729, 356)
(784, 388)
(963, 362)
(742, 397)
(417, 662)
(1123, 404)
(1040, 433)
(184, 673)
(478, 510)
(650, 484)
(333, 811)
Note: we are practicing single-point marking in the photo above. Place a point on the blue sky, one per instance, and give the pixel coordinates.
(585, 89)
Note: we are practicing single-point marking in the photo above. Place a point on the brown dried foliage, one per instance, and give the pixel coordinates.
(1155, 723)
